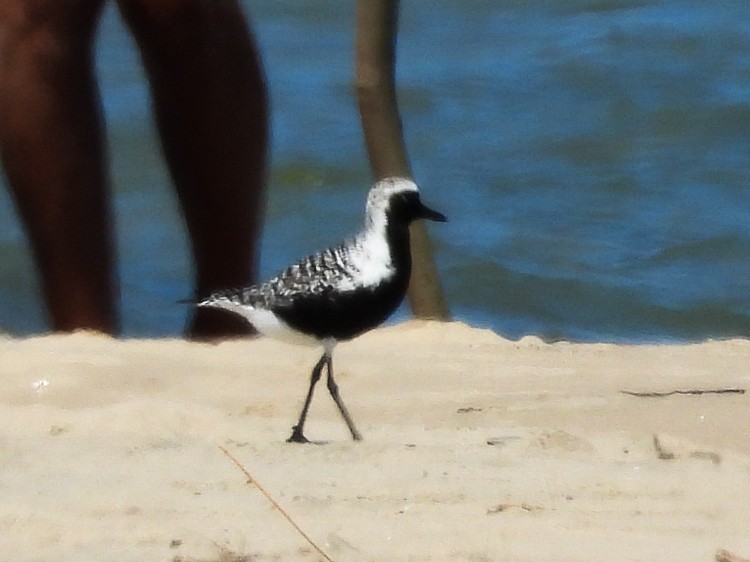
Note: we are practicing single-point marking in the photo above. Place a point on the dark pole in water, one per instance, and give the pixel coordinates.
(377, 23)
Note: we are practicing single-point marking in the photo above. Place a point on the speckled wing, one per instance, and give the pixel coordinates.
(314, 275)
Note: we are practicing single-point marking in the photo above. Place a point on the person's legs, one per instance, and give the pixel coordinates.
(211, 106)
(53, 155)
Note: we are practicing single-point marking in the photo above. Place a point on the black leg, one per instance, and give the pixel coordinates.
(333, 389)
(297, 435)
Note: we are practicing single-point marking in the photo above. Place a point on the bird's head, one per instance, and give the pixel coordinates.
(397, 200)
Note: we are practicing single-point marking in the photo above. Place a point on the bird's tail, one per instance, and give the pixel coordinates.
(211, 300)
(228, 298)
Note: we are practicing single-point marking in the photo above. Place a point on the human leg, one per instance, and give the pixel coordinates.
(211, 107)
(53, 154)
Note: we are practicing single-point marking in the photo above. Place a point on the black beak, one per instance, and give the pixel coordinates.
(425, 212)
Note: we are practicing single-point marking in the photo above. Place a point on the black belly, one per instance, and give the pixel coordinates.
(345, 315)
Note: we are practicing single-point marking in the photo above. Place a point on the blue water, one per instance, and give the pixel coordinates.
(593, 157)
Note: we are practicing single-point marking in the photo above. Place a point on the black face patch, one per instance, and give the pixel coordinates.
(403, 208)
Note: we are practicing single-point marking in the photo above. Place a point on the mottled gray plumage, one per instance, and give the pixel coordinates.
(329, 270)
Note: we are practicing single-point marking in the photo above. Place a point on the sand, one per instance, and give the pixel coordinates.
(475, 448)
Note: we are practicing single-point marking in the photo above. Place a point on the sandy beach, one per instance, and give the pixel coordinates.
(475, 448)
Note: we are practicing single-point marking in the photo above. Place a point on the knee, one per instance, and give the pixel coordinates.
(60, 20)
(172, 13)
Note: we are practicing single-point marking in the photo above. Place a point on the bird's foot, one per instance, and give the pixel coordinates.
(297, 436)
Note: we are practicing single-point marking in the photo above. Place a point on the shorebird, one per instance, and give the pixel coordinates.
(339, 293)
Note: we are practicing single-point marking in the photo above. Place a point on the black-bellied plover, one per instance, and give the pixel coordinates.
(339, 293)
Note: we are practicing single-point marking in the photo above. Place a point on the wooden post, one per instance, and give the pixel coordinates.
(375, 51)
